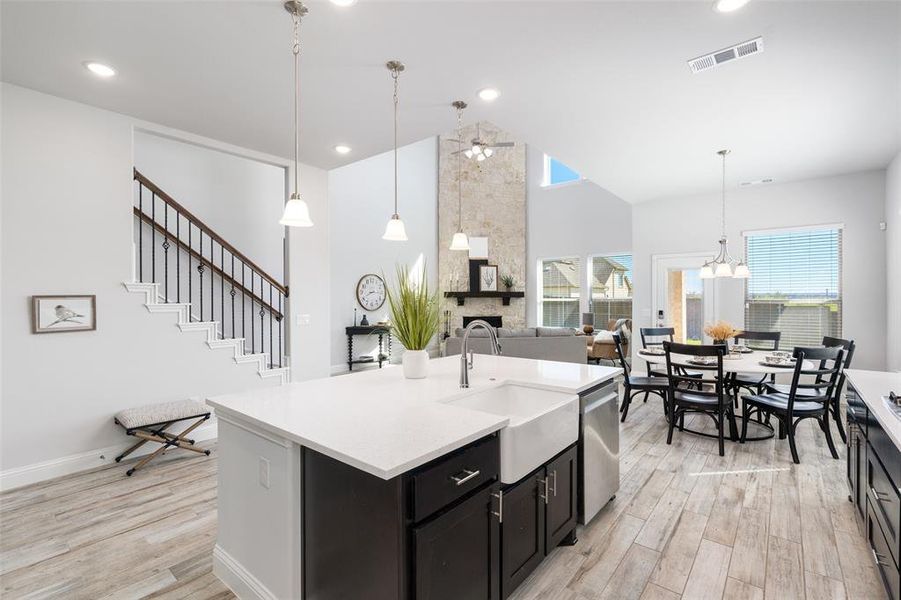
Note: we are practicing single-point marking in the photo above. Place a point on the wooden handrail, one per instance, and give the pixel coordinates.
(206, 262)
(206, 229)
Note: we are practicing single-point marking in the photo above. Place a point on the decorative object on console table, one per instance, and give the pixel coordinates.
(488, 278)
(415, 319)
(364, 322)
(382, 330)
(588, 323)
(56, 314)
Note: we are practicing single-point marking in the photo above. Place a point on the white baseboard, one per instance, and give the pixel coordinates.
(238, 579)
(66, 465)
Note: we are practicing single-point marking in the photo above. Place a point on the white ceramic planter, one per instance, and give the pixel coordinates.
(416, 364)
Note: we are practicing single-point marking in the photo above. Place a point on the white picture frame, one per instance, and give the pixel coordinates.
(478, 248)
(487, 278)
(63, 313)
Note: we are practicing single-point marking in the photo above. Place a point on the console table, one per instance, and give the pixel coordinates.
(380, 330)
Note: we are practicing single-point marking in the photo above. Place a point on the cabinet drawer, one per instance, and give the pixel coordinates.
(887, 568)
(451, 477)
(884, 502)
(885, 449)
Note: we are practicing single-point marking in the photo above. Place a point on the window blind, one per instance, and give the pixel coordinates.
(560, 290)
(795, 285)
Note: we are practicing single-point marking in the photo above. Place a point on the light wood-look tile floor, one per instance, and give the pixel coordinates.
(686, 523)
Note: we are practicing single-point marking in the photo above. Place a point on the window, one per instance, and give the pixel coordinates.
(559, 305)
(555, 172)
(610, 279)
(795, 284)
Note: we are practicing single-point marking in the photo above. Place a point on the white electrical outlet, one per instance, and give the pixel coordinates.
(264, 472)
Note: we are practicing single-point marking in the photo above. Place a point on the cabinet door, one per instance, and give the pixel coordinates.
(561, 499)
(853, 450)
(456, 554)
(522, 530)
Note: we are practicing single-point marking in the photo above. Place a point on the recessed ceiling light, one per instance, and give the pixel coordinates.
(99, 69)
(342, 149)
(489, 94)
(729, 5)
(344, 2)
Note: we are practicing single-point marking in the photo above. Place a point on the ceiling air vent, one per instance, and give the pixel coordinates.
(714, 59)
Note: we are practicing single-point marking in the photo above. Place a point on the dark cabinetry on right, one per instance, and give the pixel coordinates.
(874, 472)
(539, 512)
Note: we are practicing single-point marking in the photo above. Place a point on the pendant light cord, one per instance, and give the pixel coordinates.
(394, 75)
(724, 195)
(296, 50)
(459, 169)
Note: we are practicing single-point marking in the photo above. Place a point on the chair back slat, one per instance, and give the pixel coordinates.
(829, 365)
(656, 332)
(681, 381)
(760, 336)
(618, 342)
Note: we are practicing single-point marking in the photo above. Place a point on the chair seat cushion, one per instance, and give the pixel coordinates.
(151, 414)
(784, 388)
(657, 382)
(780, 401)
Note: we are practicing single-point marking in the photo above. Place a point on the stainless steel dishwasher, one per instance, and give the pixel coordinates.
(598, 448)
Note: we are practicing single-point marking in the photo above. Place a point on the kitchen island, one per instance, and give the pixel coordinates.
(874, 468)
(377, 486)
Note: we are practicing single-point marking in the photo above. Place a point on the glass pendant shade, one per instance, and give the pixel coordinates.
(297, 213)
(742, 271)
(460, 241)
(706, 272)
(723, 270)
(395, 230)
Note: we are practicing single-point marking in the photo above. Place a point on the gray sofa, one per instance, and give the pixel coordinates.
(547, 343)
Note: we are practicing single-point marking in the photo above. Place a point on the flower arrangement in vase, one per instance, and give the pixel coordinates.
(721, 331)
(415, 319)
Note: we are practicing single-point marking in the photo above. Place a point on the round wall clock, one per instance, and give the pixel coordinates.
(371, 292)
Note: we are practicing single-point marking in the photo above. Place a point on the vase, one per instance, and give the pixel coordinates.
(416, 364)
(722, 343)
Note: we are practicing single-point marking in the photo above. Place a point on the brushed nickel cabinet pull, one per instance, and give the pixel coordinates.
(500, 506)
(467, 475)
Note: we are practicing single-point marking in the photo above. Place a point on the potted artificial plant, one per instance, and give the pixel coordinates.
(415, 319)
(508, 281)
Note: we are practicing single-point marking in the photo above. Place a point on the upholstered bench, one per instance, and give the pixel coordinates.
(149, 423)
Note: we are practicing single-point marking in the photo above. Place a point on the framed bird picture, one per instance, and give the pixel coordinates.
(57, 314)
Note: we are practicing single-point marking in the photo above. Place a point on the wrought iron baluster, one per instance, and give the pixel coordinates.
(280, 317)
(232, 293)
(141, 232)
(190, 299)
(153, 238)
(243, 302)
(271, 355)
(253, 340)
(166, 252)
(262, 313)
(222, 290)
(200, 271)
(212, 278)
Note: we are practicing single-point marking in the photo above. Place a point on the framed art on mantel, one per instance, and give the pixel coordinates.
(487, 278)
(57, 314)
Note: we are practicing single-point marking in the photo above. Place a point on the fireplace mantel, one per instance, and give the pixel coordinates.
(504, 296)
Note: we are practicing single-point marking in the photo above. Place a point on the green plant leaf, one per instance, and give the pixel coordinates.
(415, 314)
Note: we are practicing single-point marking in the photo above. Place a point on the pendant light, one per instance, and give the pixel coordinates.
(460, 241)
(723, 265)
(395, 230)
(297, 213)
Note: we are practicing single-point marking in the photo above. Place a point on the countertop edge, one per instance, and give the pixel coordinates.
(890, 424)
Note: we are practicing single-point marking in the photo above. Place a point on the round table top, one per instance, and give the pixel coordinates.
(742, 363)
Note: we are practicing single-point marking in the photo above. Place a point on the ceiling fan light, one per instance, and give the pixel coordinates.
(459, 241)
(476, 149)
(489, 152)
(742, 271)
(297, 213)
(395, 230)
(723, 269)
(468, 153)
(706, 272)
(480, 157)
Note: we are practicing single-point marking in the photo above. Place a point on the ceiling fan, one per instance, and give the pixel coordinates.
(478, 149)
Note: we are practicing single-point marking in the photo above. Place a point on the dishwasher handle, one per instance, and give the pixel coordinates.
(613, 395)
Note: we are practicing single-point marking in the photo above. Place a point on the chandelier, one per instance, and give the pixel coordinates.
(723, 265)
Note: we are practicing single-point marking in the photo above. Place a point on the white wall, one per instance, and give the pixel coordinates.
(239, 198)
(361, 197)
(575, 219)
(67, 228)
(893, 263)
(692, 224)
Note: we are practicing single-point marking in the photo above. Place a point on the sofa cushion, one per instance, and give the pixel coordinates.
(506, 332)
(555, 331)
(475, 333)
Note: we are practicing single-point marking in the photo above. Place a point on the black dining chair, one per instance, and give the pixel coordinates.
(688, 394)
(654, 337)
(835, 402)
(805, 399)
(634, 385)
(755, 340)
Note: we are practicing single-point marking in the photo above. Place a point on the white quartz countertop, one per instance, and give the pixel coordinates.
(384, 424)
(872, 386)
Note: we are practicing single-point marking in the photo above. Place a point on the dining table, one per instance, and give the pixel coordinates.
(748, 362)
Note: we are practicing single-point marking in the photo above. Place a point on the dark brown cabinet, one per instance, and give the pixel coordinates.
(539, 512)
(455, 554)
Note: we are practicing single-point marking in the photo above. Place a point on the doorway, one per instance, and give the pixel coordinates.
(682, 300)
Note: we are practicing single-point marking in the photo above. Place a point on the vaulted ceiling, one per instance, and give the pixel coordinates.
(604, 86)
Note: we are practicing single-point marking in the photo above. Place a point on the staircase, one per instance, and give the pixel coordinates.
(182, 266)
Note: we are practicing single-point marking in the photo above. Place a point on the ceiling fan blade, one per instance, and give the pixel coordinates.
(502, 145)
